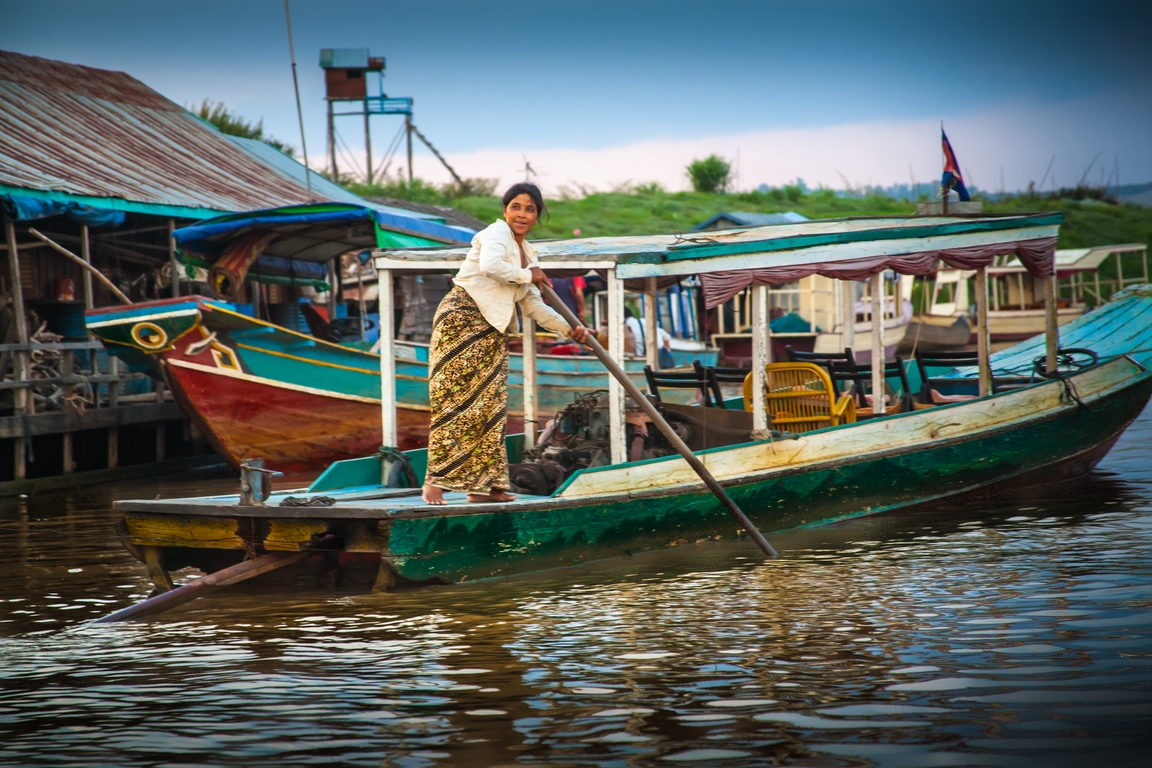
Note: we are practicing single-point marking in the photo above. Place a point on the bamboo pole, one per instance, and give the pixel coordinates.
(91, 269)
(653, 414)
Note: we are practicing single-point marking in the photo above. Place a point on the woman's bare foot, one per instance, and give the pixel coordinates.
(434, 496)
(495, 496)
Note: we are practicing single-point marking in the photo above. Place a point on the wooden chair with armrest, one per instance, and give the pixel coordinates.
(696, 379)
(931, 386)
(800, 398)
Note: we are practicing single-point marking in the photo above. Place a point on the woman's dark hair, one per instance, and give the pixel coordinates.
(525, 188)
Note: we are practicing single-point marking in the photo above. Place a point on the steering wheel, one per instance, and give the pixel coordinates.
(1071, 359)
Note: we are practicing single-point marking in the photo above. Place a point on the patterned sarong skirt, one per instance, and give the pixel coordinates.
(468, 391)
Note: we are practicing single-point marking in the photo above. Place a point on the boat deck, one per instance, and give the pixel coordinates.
(353, 503)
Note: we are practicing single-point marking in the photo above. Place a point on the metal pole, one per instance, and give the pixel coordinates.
(368, 143)
(982, 337)
(653, 414)
(332, 143)
(408, 131)
(387, 360)
(531, 420)
(171, 258)
(299, 110)
(877, 290)
(86, 254)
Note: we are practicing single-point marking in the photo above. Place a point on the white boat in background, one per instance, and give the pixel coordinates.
(823, 304)
(1017, 298)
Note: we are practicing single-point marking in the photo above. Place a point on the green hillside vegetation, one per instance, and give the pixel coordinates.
(650, 210)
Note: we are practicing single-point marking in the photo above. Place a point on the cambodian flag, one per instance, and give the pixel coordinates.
(952, 178)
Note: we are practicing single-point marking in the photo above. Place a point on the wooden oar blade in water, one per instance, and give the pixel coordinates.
(233, 574)
(653, 414)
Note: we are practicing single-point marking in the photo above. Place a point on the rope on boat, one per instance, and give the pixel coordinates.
(401, 464)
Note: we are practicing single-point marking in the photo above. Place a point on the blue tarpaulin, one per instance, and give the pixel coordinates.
(26, 208)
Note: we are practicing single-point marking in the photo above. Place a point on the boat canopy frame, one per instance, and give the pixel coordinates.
(729, 261)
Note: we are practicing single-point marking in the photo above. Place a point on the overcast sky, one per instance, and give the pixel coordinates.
(603, 93)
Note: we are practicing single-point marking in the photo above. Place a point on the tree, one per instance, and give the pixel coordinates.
(232, 124)
(711, 174)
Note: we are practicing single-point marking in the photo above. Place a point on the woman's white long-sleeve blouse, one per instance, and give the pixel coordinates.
(494, 279)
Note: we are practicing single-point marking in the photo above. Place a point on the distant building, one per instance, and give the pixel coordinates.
(734, 219)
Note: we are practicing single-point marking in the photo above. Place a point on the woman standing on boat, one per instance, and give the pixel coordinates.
(468, 355)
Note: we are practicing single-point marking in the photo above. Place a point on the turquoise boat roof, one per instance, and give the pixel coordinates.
(823, 243)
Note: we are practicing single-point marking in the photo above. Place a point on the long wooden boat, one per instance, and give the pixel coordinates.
(1050, 430)
(261, 390)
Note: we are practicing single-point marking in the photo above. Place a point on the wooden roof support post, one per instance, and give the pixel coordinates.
(1051, 323)
(531, 419)
(982, 336)
(86, 254)
(761, 357)
(616, 351)
(172, 261)
(651, 337)
(21, 398)
(387, 361)
(848, 310)
(877, 290)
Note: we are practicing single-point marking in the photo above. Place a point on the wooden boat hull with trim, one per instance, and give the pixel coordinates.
(1036, 434)
(260, 390)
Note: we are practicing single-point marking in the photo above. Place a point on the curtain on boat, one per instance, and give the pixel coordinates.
(1038, 257)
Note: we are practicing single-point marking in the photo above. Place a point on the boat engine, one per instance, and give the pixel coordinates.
(578, 438)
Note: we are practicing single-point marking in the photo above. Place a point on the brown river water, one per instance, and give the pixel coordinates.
(1009, 635)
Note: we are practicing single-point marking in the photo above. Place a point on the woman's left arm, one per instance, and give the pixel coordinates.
(533, 306)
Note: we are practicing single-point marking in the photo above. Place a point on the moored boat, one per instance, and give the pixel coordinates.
(1048, 429)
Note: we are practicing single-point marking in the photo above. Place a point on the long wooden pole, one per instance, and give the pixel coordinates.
(653, 414)
(97, 273)
(194, 589)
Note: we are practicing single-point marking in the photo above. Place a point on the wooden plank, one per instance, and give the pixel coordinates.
(58, 422)
(183, 531)
(93, 477)
(286, 535)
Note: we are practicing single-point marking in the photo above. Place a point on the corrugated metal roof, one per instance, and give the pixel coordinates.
(94, 133)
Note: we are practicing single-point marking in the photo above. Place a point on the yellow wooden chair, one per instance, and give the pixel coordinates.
(800, 398)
